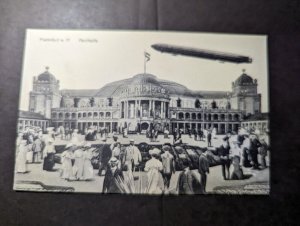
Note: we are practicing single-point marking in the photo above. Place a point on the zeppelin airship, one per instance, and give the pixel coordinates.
(202, 53)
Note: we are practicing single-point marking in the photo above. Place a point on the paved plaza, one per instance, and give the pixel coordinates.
(215, 179)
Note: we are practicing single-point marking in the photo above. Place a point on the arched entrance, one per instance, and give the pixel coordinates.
(144, 126)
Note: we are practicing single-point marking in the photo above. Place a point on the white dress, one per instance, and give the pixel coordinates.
(21, 158)
(88, 171)
(78, 164)
(67, 170)
(155, 183)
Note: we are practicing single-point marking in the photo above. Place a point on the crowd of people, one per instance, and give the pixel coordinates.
(118, 164)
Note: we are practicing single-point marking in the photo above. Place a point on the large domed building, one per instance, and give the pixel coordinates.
(144, 101)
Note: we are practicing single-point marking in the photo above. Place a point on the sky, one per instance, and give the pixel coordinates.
(87, 59)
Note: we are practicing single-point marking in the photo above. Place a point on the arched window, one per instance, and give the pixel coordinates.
(236, 117)
(180, 115)
(73, 115)
(216, 117)
(107, 115)
(222, 117)
(95, 114)
(60, 115)
(199, 116)
(84, 115)
(229, 117)
(194, 116)
(209, 117)
(79, 115)
(187, 115)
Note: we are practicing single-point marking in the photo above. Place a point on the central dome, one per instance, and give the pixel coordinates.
(144, 79)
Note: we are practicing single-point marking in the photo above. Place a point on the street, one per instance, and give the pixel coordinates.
(215, 182)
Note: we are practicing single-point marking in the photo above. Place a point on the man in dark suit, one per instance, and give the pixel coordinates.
(203, 169)
(105, 155)
(253, 150)
(223, 152)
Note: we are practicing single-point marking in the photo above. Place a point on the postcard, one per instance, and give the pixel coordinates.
(143, 112)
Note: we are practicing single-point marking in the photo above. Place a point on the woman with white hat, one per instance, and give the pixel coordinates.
(67, 156)
(153, 167)
(48, 154)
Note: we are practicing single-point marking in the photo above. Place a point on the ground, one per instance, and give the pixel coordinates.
(258, 181)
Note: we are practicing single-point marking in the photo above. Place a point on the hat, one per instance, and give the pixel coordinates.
(166, 148)
(103, 139)
(87, 145)
(154, 151)
(115, 136)
(69, 145)
(50, 140)
(131, 140)
(114, 160)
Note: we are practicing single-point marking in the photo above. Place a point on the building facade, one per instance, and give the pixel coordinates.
(32, 119)
(143, 102)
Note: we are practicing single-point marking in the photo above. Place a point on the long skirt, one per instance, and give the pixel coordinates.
(49, 162)
(21, 162)
(88, 171)
(155, 183)
(78, 168)
(67, 169)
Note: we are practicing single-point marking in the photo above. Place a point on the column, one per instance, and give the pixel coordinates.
(226, 127)
(151, 108)
(135, 107)
(140, 109)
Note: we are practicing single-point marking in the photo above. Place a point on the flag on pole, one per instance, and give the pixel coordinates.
(147, 56)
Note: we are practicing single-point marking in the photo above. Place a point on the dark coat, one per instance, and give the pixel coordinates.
(188, 183)
(105, 153)
(254, 145)
(203, 164)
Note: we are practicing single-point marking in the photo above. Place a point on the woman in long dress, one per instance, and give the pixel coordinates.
(48, 154)
(88, 171)
(21, 162)
(67, 156)
(78, 163)
(153, 168)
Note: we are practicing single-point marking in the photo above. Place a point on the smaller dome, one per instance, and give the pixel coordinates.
(46, 76)
(244, 79)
